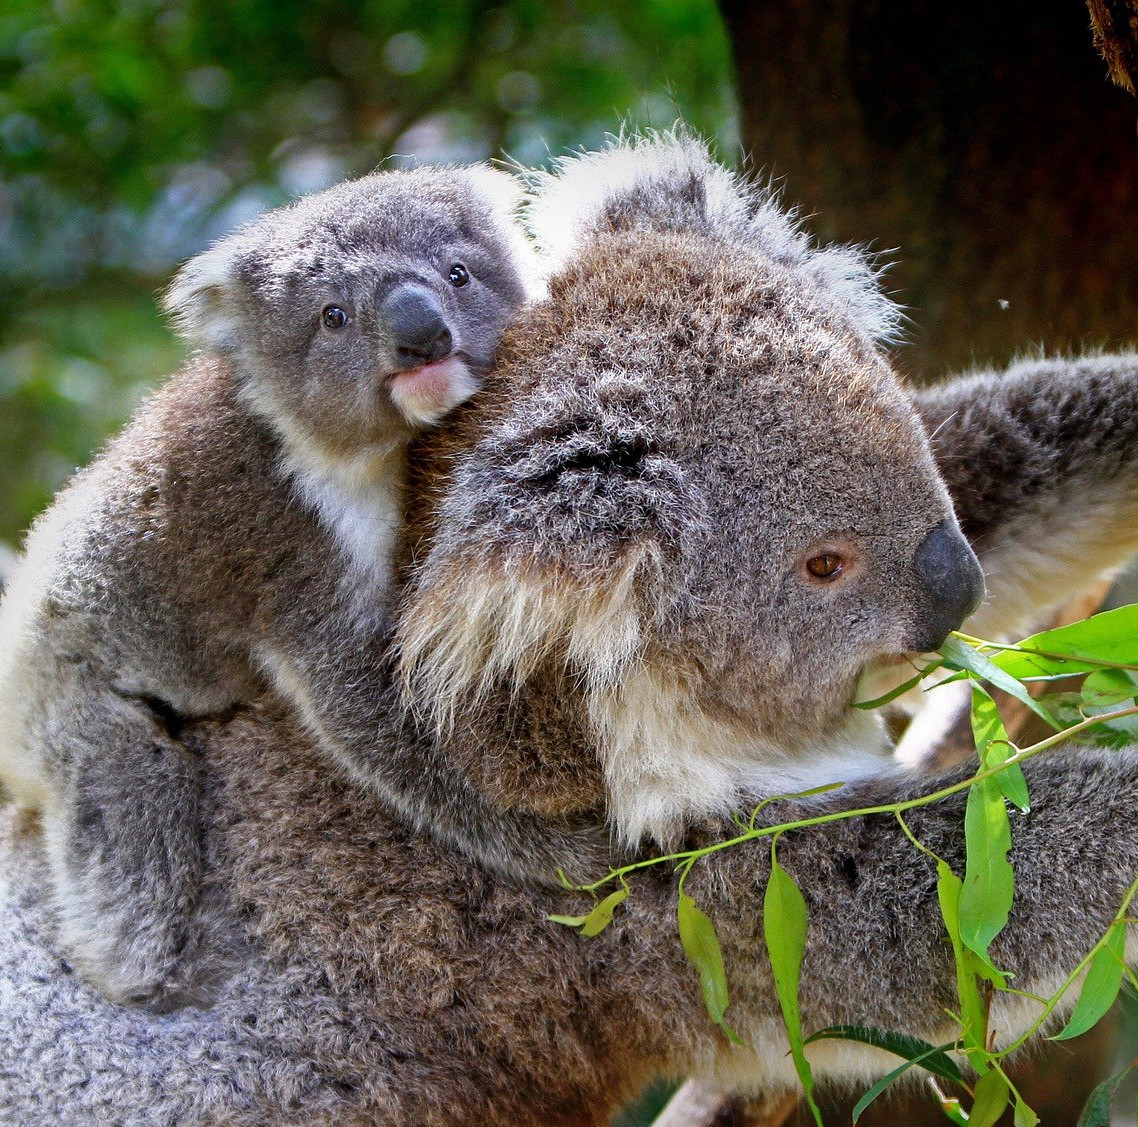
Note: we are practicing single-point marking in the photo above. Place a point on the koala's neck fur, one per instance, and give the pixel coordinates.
(357, 497)
(356, 491)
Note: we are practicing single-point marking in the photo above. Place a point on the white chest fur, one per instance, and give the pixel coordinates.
(358, 499)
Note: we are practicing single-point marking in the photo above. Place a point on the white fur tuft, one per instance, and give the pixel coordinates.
(199, 297)
(669, 181)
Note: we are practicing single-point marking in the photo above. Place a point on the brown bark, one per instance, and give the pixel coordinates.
(980, 140)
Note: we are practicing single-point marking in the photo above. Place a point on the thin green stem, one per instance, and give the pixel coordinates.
(893, 808)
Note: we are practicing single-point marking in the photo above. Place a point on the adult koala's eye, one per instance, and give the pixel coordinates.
(333, 317)
(826, 565)
(458, 276)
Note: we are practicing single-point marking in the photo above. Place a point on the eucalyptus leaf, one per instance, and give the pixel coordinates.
(599, 918)
(989, 883)
(701, 945)
(991, 1095)
(1023, 1115)
(932, 1058)
(894, 693)
(1109, 637)
(784, 929)
(1096, 1111)
(1100, 986)
(1108, 688)
(960, 655)
(972, 1012)
(885, 1081)
(994, 748)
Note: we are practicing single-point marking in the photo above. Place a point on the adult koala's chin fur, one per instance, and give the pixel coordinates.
(697, 365)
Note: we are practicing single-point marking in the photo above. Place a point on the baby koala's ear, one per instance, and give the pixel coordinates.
(201, 299)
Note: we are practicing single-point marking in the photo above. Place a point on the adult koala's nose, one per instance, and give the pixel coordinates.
(417, 324)
(951, 581)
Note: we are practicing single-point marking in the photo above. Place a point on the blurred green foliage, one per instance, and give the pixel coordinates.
(134, 132)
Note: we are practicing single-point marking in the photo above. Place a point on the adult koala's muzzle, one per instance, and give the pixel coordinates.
(951, 581)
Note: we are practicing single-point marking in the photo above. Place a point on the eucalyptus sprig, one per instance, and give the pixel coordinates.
(974, 907)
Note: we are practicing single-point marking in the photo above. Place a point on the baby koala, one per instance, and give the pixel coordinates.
(244, 519)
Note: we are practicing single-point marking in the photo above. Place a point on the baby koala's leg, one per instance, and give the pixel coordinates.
(123, 839)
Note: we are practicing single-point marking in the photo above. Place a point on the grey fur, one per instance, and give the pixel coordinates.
(194, 561)
(393, 979)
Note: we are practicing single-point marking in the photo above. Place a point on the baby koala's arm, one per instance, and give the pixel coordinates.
(1042, 464)
(341, 677)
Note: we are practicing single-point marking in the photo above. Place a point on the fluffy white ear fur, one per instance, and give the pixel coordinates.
(506, 195)
(669, 181)
(199, 297)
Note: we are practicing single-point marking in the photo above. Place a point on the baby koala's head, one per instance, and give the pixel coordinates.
(365, 311)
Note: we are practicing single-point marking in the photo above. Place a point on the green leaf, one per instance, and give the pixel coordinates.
(932, 1058)
(900, 690)
(596, 920)
(989, 882)
(601, 916)
(991, 1095)
(1108, 688)
(1101, 985)
(959, 655)
(1096, 1111)
(784, 928)
(1111, 636)
(994, 748)
(972, 1012)
(953, 1112)
(701, 945)
(885, 1081)
(1023, 1116)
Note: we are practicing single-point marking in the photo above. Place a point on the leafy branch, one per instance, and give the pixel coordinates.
(975, 907)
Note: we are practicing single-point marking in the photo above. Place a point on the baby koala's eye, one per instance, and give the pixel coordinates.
(826, 565)
(458, 275)
(333, 317)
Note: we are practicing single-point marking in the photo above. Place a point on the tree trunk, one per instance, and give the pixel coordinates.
(983, 141)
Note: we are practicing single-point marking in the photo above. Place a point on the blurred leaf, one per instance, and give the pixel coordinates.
(1096, 1111)
(1100, 986)
(784, 928)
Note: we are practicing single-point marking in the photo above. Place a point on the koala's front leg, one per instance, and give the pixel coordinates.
(1042, 465)
(122, 833)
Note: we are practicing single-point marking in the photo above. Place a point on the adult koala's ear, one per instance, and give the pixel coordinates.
(505, 198)
(670, 182)
(202, 300)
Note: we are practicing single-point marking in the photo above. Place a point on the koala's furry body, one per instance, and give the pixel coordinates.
(245, 519)
(563, 546)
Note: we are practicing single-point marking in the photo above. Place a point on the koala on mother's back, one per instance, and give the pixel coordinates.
(640, 578)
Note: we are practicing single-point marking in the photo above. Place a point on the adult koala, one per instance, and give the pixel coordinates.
(608, 573)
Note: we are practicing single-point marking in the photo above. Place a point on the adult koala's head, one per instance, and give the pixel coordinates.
(696, 498)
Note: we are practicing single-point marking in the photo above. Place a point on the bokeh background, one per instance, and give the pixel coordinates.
(979, 145)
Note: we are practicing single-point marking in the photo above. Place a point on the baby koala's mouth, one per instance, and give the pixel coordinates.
(423, 395)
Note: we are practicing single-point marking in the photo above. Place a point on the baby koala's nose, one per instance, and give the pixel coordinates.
(415, 319)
